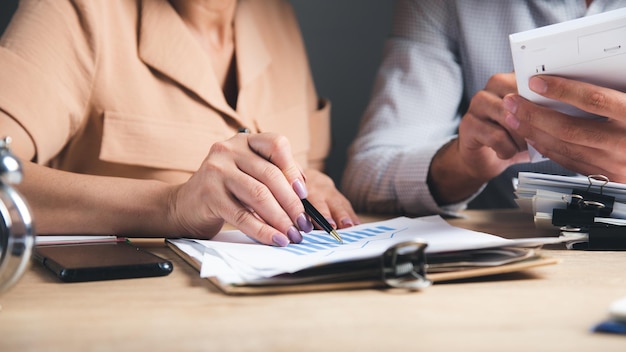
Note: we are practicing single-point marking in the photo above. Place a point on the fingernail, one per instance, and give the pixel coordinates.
(280, 240)
(300, 189)
(347, 222)
(294, 235)
(511, 121)
(304, 223)
(538, 85)
(510, 104)
(332, 223)
(530, 141)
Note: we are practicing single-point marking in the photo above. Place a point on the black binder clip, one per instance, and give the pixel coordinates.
(404, 266)
(581, 213)
(606, 237)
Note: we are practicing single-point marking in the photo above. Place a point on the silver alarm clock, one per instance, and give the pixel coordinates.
(17, 233)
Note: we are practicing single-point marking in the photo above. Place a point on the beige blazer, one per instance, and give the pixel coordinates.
(120, 87)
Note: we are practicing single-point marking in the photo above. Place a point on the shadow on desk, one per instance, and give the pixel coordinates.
(184, 268)
(507, 223)
(515, 276)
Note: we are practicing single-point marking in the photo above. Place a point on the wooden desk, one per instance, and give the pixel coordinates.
(549, 308)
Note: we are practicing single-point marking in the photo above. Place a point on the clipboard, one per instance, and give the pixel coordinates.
(403, 265)
(363, 283)
(353, 275)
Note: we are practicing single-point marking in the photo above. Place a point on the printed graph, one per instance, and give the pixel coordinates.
(319, 241)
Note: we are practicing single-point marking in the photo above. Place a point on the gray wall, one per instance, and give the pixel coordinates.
(7, 7)
(344, 40)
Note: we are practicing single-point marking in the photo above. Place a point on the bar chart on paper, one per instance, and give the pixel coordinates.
(234, 257)
(317, 241)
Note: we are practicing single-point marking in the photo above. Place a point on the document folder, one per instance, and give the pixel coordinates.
(589, 211)
(390, 254)
(589, 214)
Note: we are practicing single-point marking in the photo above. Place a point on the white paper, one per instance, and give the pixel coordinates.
(546, 192)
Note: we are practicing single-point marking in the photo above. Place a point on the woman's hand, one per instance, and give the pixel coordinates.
(329, 201)
(250, 181)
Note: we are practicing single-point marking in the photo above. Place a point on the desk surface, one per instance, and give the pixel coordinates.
(547, 308)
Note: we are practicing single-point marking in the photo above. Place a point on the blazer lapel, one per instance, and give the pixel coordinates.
(167, 45)
(253, 62)
(253, 57)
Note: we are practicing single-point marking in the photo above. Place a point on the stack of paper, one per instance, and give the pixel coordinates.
(540, 193)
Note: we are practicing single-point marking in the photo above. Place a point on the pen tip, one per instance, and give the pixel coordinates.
(336, 236)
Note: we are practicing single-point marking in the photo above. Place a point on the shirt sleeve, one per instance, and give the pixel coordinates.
(414, 110)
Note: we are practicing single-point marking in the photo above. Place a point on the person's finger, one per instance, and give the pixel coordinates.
(276, 149)
(204, 202)
(490, 134)
(263, 188)
(246, 221)
(573, 142)
(330, 202)
(529, 119)
(490, 109)
(234, 171)
(501, 84)
(341, 210)
(588, 97)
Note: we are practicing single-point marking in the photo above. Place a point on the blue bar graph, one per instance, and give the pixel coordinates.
(319, 242)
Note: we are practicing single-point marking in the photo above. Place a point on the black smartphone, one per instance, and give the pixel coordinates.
(100, 261)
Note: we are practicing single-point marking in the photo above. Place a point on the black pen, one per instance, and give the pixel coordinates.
(320, 220)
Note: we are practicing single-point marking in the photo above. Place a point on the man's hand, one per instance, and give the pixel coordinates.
(486, 145)
(586, 146)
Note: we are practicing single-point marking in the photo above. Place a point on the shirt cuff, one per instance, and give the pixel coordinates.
(414, 197)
